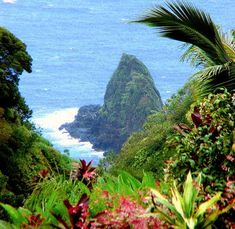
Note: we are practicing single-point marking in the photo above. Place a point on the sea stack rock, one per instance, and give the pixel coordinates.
(130, 97)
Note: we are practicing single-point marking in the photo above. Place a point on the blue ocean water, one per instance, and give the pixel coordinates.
(76, 45)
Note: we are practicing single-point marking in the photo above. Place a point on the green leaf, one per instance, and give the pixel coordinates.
(162, 200)
(190, 195)
(14, 215)
(148, 181)
(211, 219)
(158, 194)
(130, 180)
(191, 223)
(7, 225)
(166, 217)
(208, 204)
(177, 201)
(209, 48)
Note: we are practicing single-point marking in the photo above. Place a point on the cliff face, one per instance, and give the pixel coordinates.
(130, 97)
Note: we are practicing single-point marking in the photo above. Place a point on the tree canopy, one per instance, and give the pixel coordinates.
(14, 59)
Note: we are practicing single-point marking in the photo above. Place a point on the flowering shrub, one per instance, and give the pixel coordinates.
(127, 215)
(121, 211)
(207, 147)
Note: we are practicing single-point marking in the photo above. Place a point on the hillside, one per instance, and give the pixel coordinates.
(24, 155)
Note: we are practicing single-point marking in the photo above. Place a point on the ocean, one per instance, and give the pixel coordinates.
(76, 46)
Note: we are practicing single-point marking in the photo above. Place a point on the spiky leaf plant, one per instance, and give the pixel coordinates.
(183, 211)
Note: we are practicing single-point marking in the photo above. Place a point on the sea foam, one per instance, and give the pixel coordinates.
(9, 1)
(49, 125)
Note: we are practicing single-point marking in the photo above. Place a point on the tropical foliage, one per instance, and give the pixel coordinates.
(23, 152)
(119, 209)
(208, 47)
(61, 203)
(14, 59)
(144, 150)
(207, 146)
(188, 136)
(183, 211)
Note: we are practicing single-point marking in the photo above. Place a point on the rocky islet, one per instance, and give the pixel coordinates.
(129, 98)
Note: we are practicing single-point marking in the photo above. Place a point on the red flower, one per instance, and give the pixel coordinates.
(105, 193)
(77, 214)
(86, 172)
(43, 173)
(34, 221)
(127, 215)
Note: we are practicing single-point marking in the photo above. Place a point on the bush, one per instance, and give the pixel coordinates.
(207, 147)
(23, 154)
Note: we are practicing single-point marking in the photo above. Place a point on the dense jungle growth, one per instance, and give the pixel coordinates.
(177, 172)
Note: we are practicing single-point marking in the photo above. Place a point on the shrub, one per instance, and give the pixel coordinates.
(207, 147)
(127, 215)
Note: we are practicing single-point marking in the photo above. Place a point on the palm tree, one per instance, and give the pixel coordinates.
(208, 47)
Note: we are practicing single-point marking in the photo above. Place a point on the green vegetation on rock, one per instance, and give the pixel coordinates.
(130, 97)
(145, 150)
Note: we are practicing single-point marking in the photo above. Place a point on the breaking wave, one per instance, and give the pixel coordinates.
(49, 125)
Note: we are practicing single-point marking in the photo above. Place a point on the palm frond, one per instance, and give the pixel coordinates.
(233, 36)
(197, 57)
(183, 22)
(215, 77)
(229, 45)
